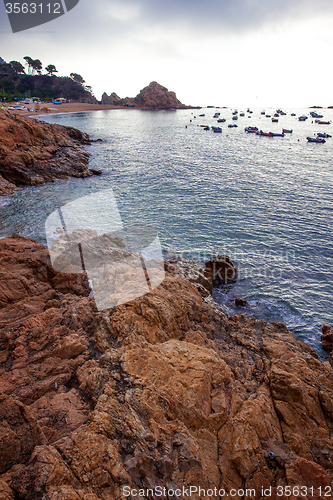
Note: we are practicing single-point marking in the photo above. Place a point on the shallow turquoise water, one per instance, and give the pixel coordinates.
(266, 202)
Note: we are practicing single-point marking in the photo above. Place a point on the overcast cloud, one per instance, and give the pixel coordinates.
(122, 45)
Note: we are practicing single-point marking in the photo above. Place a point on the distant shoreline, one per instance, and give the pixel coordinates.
(75, 107)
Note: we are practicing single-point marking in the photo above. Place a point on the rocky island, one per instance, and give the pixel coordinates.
(152, 96)
(33, 152)
(164, 391)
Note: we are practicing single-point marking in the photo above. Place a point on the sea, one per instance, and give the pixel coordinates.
(267, 202)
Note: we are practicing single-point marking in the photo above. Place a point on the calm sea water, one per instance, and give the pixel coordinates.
(266, 202)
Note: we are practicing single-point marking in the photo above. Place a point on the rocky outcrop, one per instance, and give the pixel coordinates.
(152, 96)
(6, 187)
(33, 152)
(327, 337)
(112, 99)
(163, 391)
(222, 269)
(157, 96)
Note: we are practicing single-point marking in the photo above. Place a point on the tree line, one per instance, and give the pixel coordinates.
(18, 81)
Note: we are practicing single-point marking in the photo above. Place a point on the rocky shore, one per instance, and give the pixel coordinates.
(165, 390)
(33, 152)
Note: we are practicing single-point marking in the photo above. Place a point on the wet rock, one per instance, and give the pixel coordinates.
(240, 302)
(222, 269)
(6, 188)
(327, 341)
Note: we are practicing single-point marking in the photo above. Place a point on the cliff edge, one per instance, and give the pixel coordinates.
(165, 391)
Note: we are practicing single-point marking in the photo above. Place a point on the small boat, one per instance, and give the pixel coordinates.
(232, 125)
(263, 112)
(203, 125)
(274, 134)
(235, 112)
(217, 130)
(319, 140)
(266, 134)
(286, 131)
(275, 120)
(279, 111)
(202, 115)
(235, 117)
(276, 115)
(206, 128)
(251, 130)
(283, 113)
(302, 118)
(323, 136)
(268, 116)
(221, 120)
(293, 114)
(315, 115)
(242, 114)
(321, 122)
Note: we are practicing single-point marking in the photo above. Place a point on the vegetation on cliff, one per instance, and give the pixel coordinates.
(17, 82)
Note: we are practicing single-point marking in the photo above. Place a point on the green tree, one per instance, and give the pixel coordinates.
(77, 78)
(37, 66)
(51, 69)
(17, 67)
(29, 61)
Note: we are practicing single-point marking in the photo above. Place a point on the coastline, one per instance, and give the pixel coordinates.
(76, 107)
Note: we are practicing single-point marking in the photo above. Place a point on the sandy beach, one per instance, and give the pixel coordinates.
(71, 107)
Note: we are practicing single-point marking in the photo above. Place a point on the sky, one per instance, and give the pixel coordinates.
(210, 52)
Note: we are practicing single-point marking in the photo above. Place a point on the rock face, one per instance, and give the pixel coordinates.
(162, 391)
(152, 96)
(221, 268)
(112, 99)
(33, 152)
(6, 187)
(327, 337)
(156, 96)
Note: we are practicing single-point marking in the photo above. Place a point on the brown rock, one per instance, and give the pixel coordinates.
(222, 269)
(33, 152)
(152, 96)
(6, 187)
(163, 390)
(157, 96)
(240, 302)
(327, 341)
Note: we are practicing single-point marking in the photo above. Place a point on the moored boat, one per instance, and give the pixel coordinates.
(323, 136)
(275, 120)
(221, 120)
(319, 140)
(251, 130)
(321, 122)
(302, 118)
(275, 134)
(286, 131)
